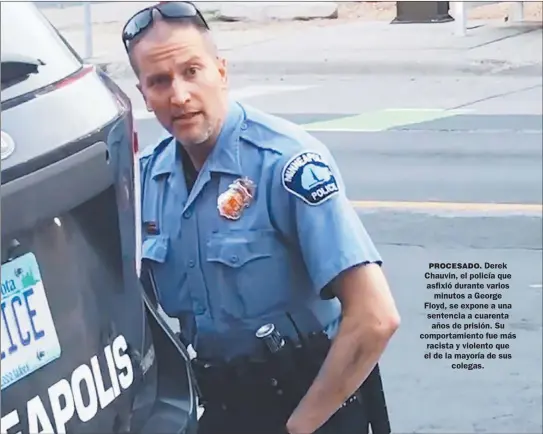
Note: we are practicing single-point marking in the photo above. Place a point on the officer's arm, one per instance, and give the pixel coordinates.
(343, 262)
(369, 321)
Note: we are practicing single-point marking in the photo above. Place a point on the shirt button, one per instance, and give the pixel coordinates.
(191, 263)
(199, 309)
(187, 214)
(243, 126)
(234, 259)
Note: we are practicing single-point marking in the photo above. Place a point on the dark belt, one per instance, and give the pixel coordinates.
(223, 383)
(246, 383)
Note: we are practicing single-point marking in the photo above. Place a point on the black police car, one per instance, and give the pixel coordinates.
(83, 348)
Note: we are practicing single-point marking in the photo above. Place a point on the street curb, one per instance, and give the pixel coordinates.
(362, 67)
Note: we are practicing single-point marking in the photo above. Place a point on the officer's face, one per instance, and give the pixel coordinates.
(182, 81)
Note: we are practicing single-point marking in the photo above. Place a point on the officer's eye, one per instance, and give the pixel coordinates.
(191, 72)
(159, 80)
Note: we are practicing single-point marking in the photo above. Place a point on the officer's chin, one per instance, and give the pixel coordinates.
(187, 133)
(193, 140)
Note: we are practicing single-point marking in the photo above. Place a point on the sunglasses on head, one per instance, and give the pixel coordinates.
(142, 20)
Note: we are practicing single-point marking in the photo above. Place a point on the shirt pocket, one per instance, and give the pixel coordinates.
(249, 271)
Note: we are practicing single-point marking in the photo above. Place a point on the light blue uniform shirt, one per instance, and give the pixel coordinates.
(225, 278)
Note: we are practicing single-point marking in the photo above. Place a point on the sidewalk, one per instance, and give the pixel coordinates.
(352, 45)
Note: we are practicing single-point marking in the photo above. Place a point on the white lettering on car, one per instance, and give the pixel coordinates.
(81, 394)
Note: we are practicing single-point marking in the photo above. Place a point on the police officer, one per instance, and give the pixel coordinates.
(246, 218)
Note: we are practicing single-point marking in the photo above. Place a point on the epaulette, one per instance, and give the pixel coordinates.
(276, 134)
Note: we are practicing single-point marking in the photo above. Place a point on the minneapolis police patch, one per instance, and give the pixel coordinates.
(308, 177)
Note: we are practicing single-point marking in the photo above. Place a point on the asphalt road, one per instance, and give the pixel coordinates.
(428, 396)
(428, 188)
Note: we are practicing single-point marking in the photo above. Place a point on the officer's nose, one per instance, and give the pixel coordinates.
(180, 94)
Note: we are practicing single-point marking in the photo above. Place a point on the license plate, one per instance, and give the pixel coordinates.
(29, 338)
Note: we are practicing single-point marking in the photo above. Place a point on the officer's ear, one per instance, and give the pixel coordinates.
(223, 70)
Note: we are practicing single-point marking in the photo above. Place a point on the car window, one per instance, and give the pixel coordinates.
(26, 32)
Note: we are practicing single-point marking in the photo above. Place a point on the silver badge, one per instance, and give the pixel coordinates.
(8, 146)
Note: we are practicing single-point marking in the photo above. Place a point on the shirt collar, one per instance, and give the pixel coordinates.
(225, 156)
(166, 159)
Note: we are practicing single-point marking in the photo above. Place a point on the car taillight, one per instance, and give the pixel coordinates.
(135, 144)
(86, 69)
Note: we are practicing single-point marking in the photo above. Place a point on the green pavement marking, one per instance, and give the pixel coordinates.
(382, 120)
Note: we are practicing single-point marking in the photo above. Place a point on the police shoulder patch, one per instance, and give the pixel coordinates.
(307, 176)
